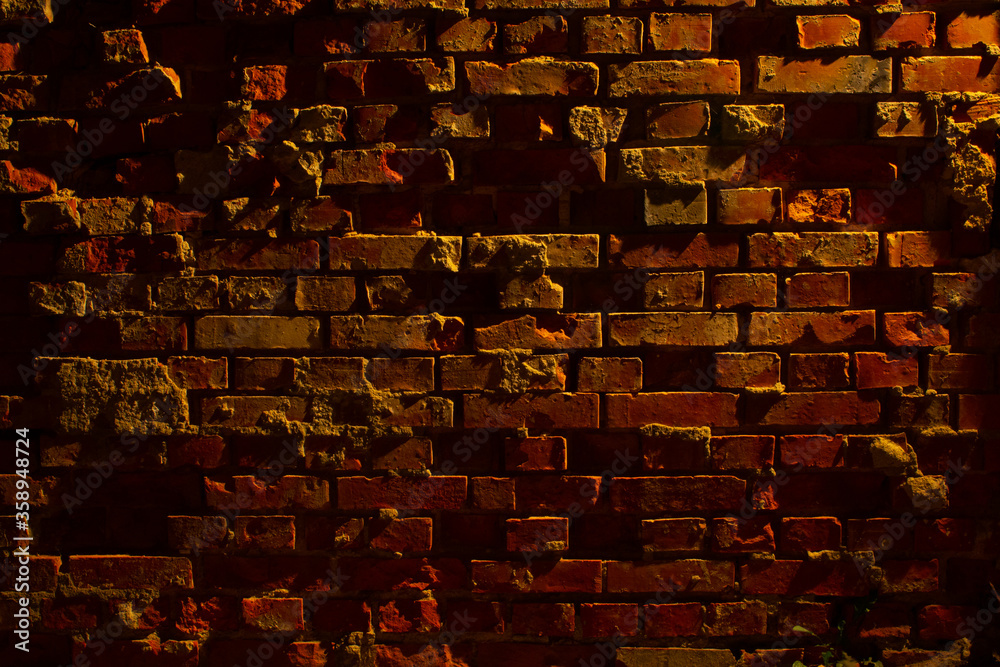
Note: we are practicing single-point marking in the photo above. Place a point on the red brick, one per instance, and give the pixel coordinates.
(288, 492)
(697, 576)
(538, 534)
(535, 453)
(828, 32)
(978, 411)
(677, 494)
(813, 329)
(750, 206)
(600, 620)
(847, 74)
(533, 76)
(349, 79)
(673, 251)
(742, 452)
(489, 372)
(543, 619)
(540, 34)
(914, 329)
(812, 451)
(813, 408)
(968, 30)
(557, 331)
(612, 34)
(672, 329)
(673, 620)
(562, 576)
(819, 371)
(609, 374)
(732, 290)
(819, 290)
(386, 332)
(677, 120)
(680, 32)
(671, 408)
(265, 532)
(528, 122)
(850, 164)
(409, 616)
(728, 619)
(813, 249)
(918, 249)
(791, 577)
(877, 370)
(198, 372)
(950, 73)
(739, 370)
(971, 372)
(531, 166)
(673, 534)
(403, 166)
(403, 35)
(439, 492)
(810, 534)
(732, 535)
(466, 35)
(273, 614)
(561, 410)
(157, 572)
(675, 77)
(909, 30)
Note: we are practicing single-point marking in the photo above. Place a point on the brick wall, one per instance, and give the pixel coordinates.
(501, 332)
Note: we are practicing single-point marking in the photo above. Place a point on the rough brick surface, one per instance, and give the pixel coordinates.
(476, 333)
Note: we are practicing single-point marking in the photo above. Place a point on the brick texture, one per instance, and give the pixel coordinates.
(475, 333)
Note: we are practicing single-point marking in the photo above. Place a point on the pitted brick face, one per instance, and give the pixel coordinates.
(371, 333)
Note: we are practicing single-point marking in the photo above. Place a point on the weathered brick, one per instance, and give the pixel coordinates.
(612, 34)
(847, 74)
(685, 77)
(970, 29)
(560, 410)
(539, 34)
(819, 371)
(739, 370)
(918, 249)
(732, 290)
(421, 253)
(533, 76)
(672, 329)
(675, 408)
(818, 290)
(916, 329)
(750, 206)
(909, 30)
(674, 291)
(466, 35)
(403, 166)
(813, 329)
(386, 332)
(258, 332)
(680, 32)
(554, 331)
(828, 32)
(813, 249)
(687, 163)
(970, 74)
(878, 369)
(677, 120)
